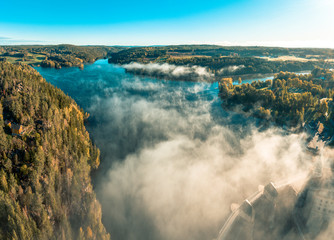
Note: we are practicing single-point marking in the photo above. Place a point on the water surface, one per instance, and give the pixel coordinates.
(172, 160)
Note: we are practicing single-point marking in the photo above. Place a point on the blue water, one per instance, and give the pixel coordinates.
(114, 99)
(103, 80)
(176, 124)
(172, 160)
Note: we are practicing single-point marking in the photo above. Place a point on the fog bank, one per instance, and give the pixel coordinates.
(178, 164)
(173, 160)
(165, 70)
(230, 69)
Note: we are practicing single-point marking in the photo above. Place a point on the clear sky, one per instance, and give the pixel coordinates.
(290, 23)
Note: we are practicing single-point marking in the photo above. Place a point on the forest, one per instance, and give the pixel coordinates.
(55, 56)
(219, 60)
(229, 61)
(143, 53)
(46, 157)
(289, 99)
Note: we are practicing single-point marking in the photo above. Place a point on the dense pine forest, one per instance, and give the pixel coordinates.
(46, 157)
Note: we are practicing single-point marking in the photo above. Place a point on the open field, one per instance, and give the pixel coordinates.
(289, 58)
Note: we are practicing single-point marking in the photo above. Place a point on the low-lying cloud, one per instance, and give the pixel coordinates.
(183, 187)
(230, 69)
(175, 166)
(173, 161)
(165, 70)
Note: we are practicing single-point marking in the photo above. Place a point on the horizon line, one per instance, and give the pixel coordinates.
(168, 45)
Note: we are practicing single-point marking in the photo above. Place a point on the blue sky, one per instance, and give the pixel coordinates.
(291, 23)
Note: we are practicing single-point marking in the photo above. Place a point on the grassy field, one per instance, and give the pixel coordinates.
(31, 59)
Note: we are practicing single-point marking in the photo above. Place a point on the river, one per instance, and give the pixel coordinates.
(172, 160)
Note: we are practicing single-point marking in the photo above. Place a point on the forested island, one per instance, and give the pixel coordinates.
(55, 56)
(289, 100)
(46, 158)
(227, 61)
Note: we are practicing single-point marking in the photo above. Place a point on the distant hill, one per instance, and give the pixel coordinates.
(55, 56)
(229, 61)
(46, 157)
(219, 51)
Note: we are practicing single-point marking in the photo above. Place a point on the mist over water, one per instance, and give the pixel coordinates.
(195, 73)
(172, 160)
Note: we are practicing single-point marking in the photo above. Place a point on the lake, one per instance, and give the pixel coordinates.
(172, 160)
